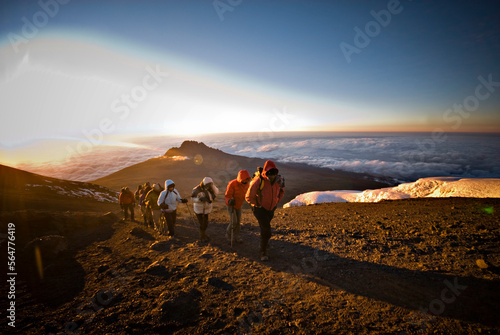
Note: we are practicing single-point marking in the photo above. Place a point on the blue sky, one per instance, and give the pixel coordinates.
(240, 65)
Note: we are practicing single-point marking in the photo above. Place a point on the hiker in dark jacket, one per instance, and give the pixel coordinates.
(263, 195)
(152, 208)
(138, 193)
(145, 189)
(127, 203)
(203, 195)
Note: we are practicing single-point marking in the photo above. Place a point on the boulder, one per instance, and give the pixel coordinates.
(156, 269)
(141, 233)
(161, 246)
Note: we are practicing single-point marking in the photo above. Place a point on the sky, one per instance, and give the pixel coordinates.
(98, 71)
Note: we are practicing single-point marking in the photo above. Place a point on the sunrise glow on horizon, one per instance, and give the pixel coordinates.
(91, 72)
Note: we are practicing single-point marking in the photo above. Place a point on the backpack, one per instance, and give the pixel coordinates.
(143, 196)
(279, 179)
(258, 175)
(164, 205)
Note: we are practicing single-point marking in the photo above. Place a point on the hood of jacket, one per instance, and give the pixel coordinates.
(206, 180)
(269, 165)
(168, 182)
(242, 175)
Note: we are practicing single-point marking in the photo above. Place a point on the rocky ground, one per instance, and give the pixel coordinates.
(420, 266)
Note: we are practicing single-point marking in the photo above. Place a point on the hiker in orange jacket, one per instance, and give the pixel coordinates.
(264, 194)
(127, 203)
(235, 196)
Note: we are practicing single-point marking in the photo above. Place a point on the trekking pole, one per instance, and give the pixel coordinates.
(232, 226)
(190, 215)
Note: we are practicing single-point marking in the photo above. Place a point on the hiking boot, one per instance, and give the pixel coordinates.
(263, 256)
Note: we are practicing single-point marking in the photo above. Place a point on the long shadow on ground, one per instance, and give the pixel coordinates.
(464, 298)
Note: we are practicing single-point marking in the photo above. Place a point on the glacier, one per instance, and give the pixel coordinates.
(430, 187)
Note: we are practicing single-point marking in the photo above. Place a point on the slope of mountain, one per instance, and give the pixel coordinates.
(393, 267)
(192, 161)
(24, 190)
(413, 266)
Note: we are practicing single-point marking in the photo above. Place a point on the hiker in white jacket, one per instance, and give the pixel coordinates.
(167, 201)
(203, 196)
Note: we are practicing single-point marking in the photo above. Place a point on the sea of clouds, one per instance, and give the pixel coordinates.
(403, 157)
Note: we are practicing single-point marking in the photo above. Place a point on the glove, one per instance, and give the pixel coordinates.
(184, 201)
(231, 202)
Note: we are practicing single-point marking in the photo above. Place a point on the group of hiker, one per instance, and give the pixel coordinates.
(263, 192)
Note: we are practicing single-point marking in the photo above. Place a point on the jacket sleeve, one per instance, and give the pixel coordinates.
(194, 195)
(178, 197)
(229, 192)
(251, 195)
(281, 194)
(161, 198)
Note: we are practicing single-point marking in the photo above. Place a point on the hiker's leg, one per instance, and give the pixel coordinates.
(132, 212)
(127, 209)
(150, 217)
(200, 219)
(156, 219)
(174, 220)
(170, 223)
(203, 219)
(124, 211)
(237, 224)
(206, 221)
(264, 220)
(230, 225)
(144, 214)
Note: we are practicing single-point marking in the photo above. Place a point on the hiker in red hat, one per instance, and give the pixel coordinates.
(235, 196)
(264, 193)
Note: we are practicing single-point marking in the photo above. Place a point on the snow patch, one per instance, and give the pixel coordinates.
(79, 192)
(433, 187)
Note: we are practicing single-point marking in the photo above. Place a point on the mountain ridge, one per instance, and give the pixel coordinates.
(188, 164)
(22, 189)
